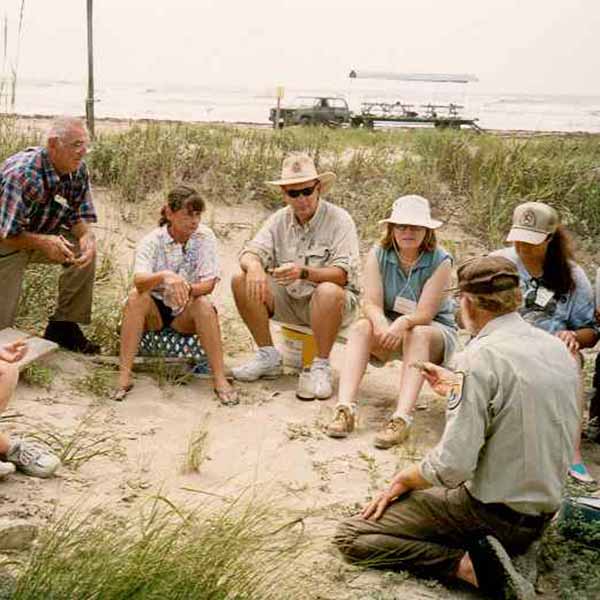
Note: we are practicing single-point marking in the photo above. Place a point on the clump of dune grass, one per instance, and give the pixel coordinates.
(196, 450)
(38, 375)
(240, 552)
(77, 446)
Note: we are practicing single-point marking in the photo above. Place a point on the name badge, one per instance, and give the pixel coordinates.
(404, 306)
(543, 296)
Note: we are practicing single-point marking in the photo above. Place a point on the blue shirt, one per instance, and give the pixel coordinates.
(410, 285)
(571, 311)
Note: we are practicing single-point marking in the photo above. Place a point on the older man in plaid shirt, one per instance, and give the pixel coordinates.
(45, 213)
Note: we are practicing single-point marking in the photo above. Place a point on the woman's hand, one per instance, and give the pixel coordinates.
(392, 338)
(177, 290)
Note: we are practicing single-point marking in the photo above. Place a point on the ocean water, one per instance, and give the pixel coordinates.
(504, 111)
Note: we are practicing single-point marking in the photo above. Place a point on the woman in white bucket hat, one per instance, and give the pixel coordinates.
(557, 294)
(407, 315)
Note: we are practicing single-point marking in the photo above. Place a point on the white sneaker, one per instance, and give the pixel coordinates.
(266, 364)
(316, 382)
(6, 468)
(32, 459)
(322, 380)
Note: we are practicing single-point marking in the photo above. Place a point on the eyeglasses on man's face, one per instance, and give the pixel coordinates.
(307, 191)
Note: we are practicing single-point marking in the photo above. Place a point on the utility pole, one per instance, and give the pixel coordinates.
(89, 103)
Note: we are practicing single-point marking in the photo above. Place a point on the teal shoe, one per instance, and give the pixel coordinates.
(579, 472)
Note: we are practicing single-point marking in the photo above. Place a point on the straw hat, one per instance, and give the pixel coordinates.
(298, 168)
(532, 223)
(412, 210)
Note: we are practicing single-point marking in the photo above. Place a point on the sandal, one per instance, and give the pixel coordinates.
(227, 397)
(119, 394)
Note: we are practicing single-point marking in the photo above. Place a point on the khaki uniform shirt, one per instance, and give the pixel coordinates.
(510, 435)
(329, 239)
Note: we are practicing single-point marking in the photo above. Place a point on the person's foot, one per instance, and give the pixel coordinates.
(266, 364)
(6, 468)
(227, 395)
(119, 394)
(579, 472)
(496, 575)
(68, 335)
(342, 423)
(32, 459)
(394, 433)
(316, 382)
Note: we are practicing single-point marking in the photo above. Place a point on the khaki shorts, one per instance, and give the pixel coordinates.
(296, 311)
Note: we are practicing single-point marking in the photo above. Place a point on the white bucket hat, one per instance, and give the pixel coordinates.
(412, 210)
(299, 167)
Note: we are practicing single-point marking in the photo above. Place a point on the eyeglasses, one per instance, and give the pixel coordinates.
(77, 144)
(307, 191)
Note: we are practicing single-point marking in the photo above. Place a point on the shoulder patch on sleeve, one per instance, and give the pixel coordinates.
(456, 392)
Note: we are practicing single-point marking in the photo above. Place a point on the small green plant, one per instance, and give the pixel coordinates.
(38, 375)
(196, 450)
(99, 382)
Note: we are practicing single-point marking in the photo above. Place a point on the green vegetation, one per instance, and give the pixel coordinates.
(240, 552)
(475, 179)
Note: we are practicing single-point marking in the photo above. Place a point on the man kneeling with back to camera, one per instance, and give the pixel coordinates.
(495, 479)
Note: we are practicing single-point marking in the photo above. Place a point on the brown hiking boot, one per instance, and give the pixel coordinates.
(394, 433)
(342, 423)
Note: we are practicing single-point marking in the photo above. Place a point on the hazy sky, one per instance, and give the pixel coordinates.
(511, 45)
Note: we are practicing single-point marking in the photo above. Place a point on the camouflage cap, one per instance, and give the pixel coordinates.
(533, 222)
(487, 275)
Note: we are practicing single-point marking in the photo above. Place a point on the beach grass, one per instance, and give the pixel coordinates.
(475, 180)
(238, 552)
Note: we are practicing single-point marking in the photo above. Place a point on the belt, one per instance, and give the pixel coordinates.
(514, 517)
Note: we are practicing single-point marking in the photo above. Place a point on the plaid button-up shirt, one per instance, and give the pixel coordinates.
(36, 199)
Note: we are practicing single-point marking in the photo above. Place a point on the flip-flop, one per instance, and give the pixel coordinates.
(119, 394)
(227, 397)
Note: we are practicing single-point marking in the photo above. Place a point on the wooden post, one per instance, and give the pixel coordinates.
(279, 93)
(89, 103)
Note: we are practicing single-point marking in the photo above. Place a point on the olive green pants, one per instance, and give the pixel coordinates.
(429, 531)
(75, 286)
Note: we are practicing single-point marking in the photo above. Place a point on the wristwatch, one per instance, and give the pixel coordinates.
(303, 273)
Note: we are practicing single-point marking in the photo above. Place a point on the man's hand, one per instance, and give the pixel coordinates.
(14, 351)
(87, 245)
(256, 283)
(570, 340)
(287, 273)
(374, 509)
(57, 249)
(441, 380)
(392, 338)
(177, 289)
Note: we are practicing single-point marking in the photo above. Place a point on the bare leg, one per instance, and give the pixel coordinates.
(326, 313)
(200, 317)
(9, 376)
(140, 313)
(254, 314)
(355, 363)
(422, 343)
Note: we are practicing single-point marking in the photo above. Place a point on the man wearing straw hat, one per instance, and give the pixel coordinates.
(496, 477)
(300, 268)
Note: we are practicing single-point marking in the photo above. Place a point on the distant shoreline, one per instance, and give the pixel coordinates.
(111, 124)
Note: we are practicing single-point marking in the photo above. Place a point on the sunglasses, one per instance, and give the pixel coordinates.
(307, 191)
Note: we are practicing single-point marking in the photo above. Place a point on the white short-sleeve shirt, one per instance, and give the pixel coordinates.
(195, 261)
